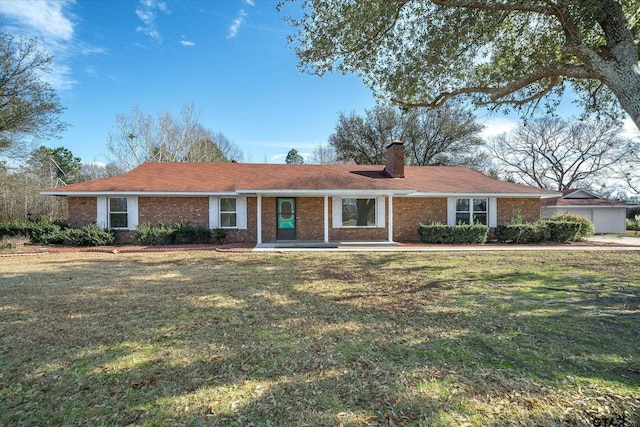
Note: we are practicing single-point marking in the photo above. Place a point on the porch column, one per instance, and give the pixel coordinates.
(326, 219)
(390, 223)
(259, 220)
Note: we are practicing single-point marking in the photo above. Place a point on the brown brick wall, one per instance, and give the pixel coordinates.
(410, 212)
(530, 209)
(82, 210)
(154, 210)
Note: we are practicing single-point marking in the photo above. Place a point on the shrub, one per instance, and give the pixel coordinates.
(186, 233)
(632, 212)
(522, 233)
(161, 234)
(219, 235)
(43, 231)
(586, 228)
(179, 233)
(457, 234)
(563, 231)
(89, 235)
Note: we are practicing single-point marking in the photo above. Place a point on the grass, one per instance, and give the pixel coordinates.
(311, 339)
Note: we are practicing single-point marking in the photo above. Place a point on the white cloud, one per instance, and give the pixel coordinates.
(630, 130)
(236, 24)
(53, 24)
(496, 127)
(44, 18)
(147, 14)
(184, 42)
(250, 2)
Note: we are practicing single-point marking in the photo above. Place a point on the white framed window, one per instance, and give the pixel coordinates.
(358, 212)
(118, 213)
(228, 212)
(472, 211)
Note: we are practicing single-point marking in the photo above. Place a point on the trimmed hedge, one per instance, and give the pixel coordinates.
(586, 228)
(179, 233)
(457, 234)
(548, 230)
(522, 233)
(47, 233)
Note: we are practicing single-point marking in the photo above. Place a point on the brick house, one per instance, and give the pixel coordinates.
(267, 203)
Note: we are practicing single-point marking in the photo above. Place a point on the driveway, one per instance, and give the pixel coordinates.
(616, 239)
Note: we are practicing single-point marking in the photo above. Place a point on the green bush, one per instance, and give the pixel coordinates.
(563, 231)
(186, 233)
(633, 225)
(456, 234)
(522, 233)
(43, 231)
(586, 228)
(179, 233)
(161, 234)
(219, 235)
(632, 212)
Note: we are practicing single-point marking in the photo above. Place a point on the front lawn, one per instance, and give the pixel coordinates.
(310, 339)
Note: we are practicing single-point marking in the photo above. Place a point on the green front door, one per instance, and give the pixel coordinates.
(286, 218)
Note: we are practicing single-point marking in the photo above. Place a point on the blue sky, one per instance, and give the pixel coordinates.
(228, 57)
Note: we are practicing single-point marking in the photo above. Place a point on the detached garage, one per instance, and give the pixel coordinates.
(607, 216)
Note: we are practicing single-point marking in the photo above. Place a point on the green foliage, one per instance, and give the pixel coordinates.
(455, 234)
(47, 232)
(504, 54)
(43, 231)
(186, 233)
(56, 163)
(560, 229)
(179, 233)
(293, 157)
(89, 235)
(563, 231)
(632, 212)
(522, 233)
(160, 234)
(219, 235)
(633, 224)
(586, 227)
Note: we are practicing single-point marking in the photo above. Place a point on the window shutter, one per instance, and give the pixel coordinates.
(451, 211)
(132, 212)
(213, 213)
(380, 219)
(101, 210)
(241, 213)
(336, 209)
(493, 212)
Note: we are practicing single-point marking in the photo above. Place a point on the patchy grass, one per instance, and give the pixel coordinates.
(310, 339)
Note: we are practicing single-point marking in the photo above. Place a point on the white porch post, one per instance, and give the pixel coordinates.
(259, 220)
(390, 223)
(326, 219)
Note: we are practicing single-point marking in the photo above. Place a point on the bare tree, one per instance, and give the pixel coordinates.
(557, 154)
(432, 137)
(140, 138)
(323, 155)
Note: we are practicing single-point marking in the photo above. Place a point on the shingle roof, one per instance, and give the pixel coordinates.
(246, 177)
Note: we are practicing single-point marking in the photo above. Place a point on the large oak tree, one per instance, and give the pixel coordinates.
(502, 53)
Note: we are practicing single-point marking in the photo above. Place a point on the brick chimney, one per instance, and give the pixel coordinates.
(394, 161)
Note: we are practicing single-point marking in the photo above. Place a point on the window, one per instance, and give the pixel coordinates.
(358, 212)
(118, 215)
(228, 212)
(471, 211)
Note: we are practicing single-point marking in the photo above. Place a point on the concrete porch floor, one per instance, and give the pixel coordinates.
(311, 245)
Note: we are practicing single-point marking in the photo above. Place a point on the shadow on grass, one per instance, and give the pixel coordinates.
(316, 340)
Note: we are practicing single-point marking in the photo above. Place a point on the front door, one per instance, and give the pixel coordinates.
(286, 218)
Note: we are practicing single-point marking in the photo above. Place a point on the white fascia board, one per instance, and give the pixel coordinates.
(138, 193)
(591, 206)
(318, 193)
(476, 195)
